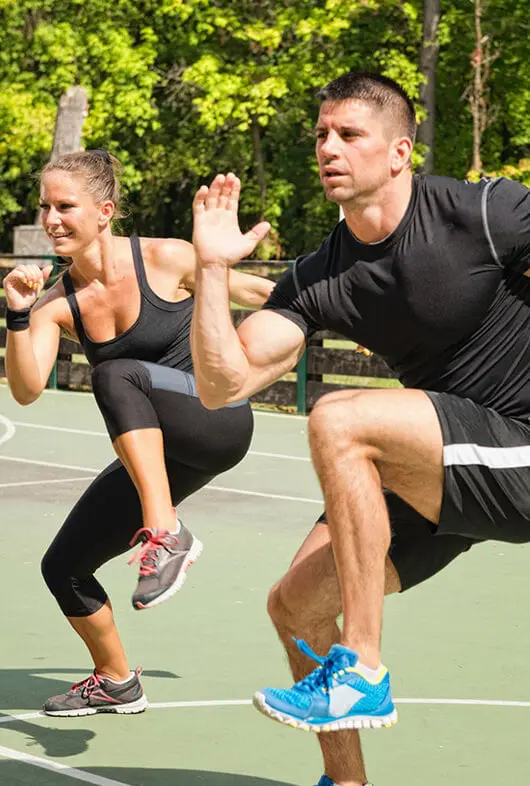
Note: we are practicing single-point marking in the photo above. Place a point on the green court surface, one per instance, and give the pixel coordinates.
(457, 647)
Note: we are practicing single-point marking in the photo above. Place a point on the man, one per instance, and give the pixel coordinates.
(428, 273)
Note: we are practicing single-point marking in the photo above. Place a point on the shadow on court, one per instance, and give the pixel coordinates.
(55, 743)
(29, 688)
(13, 772)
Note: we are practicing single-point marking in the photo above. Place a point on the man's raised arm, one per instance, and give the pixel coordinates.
(230, 365)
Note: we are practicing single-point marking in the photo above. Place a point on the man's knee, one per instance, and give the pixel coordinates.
(296, 605)
(276, 608)
(342, 419)
(286, 608)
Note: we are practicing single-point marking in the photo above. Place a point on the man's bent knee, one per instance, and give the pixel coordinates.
(275, 606)
(343, 419)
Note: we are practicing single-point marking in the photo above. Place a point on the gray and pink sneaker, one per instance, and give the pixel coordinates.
(164, 559)
(99, 694)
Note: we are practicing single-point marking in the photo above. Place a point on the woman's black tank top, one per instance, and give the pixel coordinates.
(161, 334)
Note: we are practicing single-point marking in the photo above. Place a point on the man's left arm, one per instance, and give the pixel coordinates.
(507, 224)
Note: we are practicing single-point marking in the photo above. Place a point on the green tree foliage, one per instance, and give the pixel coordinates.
(181, 89)
(40, 58)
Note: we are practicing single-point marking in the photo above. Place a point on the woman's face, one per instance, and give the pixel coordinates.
(69, 215)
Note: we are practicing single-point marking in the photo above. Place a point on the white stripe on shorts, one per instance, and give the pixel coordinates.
(495, 458)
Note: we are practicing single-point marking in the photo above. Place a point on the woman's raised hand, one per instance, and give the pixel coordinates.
(24, 284)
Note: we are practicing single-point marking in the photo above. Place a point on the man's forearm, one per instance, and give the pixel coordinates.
(220, 364)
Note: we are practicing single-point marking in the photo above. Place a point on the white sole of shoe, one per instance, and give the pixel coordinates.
(359, 722)
(193, 554)
(118, 709)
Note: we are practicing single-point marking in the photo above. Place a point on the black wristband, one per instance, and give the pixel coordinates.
(17, 320)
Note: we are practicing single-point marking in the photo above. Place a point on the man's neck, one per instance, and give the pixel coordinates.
(376, 219)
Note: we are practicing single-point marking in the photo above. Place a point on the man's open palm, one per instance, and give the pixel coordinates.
(216, 235)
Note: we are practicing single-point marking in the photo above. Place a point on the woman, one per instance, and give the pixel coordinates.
(127, 301)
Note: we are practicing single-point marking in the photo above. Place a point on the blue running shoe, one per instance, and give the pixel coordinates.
(325, 781)
(334, 696)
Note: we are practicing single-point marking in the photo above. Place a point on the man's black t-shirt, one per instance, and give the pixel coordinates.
(442, 299)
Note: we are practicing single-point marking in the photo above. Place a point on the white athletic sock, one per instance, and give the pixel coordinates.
(178, 525)
(121, 682)
(372, 675)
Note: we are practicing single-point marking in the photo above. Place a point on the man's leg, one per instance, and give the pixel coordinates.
(362, 441)
(306, 604)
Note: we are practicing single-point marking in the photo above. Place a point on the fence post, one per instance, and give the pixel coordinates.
(52, 379)
(301, 384)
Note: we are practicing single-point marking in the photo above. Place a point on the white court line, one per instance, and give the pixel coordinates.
(82, 431)
(51, 464)
(87, 433)
(239, 702)
(213, 488)
(278, 456)
(175, 705)
(98, 780)
(10, 429)
(22, 717)
(40, 482)
(268, 496)
(58, 768)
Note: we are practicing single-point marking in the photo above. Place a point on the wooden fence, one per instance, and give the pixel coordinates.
(298, 391)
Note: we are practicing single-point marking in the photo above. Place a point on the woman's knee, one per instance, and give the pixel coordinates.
(109, 376)
(122, 389)
(50, 569)
(76, 596)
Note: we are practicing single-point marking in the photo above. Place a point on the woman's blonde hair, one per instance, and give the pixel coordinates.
(99, 170)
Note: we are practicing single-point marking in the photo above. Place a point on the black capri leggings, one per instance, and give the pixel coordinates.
(198, 444)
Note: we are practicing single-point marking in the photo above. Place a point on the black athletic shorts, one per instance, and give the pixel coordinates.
(416, 549)
(486, 491)
(486, 471)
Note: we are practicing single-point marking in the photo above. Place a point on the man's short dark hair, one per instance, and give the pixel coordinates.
(377, 90)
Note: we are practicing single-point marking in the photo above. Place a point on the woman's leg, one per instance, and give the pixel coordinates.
(101, 637)
(155, 420)
(122, 389)
(99, 528)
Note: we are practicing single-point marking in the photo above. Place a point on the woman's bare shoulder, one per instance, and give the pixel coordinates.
(169, 253)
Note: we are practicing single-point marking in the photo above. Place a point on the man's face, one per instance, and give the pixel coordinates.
(354, 150)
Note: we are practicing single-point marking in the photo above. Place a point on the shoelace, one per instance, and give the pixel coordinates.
(147, 554)
(88, 685)
(319, 679)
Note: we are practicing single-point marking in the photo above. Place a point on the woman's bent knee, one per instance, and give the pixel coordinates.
(76, 596)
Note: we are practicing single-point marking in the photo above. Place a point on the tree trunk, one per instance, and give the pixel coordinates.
(69, 122)
(69, 119)
(477, 90)
(260, 167)
(428, 58)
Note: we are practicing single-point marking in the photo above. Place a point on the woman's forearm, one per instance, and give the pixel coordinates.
(249, 290)
(22, 370)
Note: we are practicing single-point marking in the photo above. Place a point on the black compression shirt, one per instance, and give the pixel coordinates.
(161, 334)
(442, 299)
